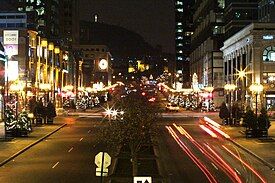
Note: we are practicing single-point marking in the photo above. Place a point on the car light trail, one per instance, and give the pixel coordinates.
(228, 168)
(208, 131)
(220, 131)
(206, 172)
(248, 166)
(219, 161)
(213, 123)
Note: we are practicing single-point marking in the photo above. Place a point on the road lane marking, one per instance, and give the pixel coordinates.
(55, 164)
(215, 166)
(81, 139)
(70, 149)
(89, 131)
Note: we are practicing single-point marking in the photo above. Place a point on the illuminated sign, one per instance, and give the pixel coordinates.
(11, 49)
(12, 71)
(10, 37)
(268, 37)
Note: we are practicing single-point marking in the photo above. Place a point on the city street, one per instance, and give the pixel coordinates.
(192, 155)
(186, 154)
(66, 156)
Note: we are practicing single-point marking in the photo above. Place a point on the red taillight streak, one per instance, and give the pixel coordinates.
(206, 172)
(228, 168)
(248, 166)
(221, 163)
(219, 131)
(213, 123)
(207, 130)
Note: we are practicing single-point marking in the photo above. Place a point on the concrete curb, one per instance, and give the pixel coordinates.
(253, 154)
(30, 145)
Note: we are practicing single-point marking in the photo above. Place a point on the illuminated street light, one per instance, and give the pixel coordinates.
(257, 89)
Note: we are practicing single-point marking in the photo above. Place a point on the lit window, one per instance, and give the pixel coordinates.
(180, 9)
(269, 54)
(179, 37)
(179, 23)
(180, 58)
(180, 44)
(179, 3)
(179, 30)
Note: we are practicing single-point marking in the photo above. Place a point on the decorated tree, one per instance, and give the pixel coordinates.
(263, 120)
(11, 121)
(23, 124)
(250, 119)
(134, 128)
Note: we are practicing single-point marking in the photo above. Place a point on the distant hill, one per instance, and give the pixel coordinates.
(121, 42)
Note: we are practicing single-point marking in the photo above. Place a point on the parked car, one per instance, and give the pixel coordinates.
(172, 107)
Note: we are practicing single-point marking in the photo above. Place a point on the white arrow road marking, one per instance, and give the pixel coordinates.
(55, 164)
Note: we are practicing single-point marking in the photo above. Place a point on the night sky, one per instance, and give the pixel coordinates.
(152, 19)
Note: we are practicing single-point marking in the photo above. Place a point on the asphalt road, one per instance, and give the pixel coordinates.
(66, 156)
(189, 154)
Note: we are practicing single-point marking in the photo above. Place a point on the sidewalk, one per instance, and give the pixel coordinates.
(264, 150)
(13, 147)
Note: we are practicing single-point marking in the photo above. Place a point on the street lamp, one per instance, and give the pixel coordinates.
(257, 89)
(229, 88)
(241, 75)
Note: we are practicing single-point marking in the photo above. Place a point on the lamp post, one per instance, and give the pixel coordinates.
(229, 88)
(257, 89)
(241, 75)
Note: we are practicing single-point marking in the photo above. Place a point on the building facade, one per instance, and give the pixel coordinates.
(206, 57)
(238, 14)
(95, 66)
(266, 11)
(252, 49)
(183, 32)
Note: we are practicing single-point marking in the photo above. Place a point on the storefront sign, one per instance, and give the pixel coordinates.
(10, 37)
(268, 37)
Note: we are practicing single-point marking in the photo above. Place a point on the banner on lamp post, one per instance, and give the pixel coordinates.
(12, 71)
(10, 37)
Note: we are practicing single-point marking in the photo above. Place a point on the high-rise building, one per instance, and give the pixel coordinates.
(266, 11)
(70, 21)
(44, 16)
(238, 14)
(183, 32)
(206, 58)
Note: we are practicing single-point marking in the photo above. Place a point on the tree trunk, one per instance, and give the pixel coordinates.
(134, 164)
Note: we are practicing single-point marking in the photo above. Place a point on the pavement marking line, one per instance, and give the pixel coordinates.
(71, 149)
(89, 131)
(215, 166)
(55, 164)
(81, 139)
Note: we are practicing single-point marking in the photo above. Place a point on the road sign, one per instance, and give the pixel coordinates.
(102, 161)
(142, 179)
(106, 160)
